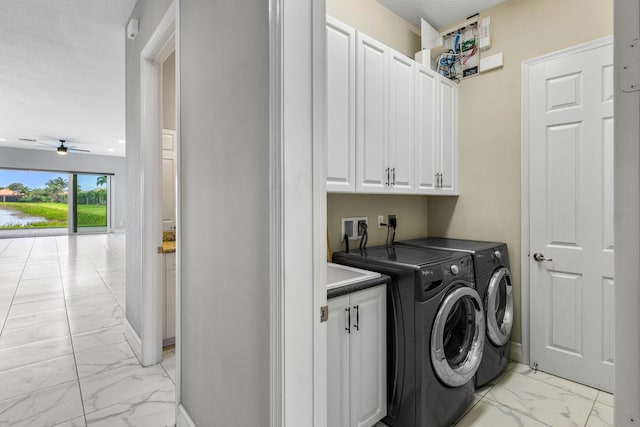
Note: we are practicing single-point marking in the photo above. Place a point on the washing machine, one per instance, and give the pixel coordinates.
(493, 283)
(435, 332)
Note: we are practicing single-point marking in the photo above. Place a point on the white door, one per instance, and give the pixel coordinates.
(338, 333)
(168, 179)
(372, 172)
(401, 122)
(368, 364)
(570, 110)
(426, 133)
(341, 106)
(448, 180)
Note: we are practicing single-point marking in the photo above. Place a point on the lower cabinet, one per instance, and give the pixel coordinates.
(169, 323)
(357, 358)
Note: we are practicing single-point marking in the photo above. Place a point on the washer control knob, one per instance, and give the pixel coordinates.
(498, 254)
(455, 269)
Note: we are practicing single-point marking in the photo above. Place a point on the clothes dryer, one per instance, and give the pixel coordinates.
(493, 283)
(435, 332)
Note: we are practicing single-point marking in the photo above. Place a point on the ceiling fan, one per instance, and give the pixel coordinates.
(60, 149)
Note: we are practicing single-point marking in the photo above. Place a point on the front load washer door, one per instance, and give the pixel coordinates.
(499, 307)
(457, 337)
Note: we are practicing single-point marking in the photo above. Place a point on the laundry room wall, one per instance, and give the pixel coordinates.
(377, 21)
(490, 114)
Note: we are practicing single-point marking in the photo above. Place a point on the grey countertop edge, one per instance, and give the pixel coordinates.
(358, 286)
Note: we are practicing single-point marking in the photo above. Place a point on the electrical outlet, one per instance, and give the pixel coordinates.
(393, 221)
(350, 227)
(380, 221)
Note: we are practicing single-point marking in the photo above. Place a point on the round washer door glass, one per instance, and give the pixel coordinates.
(457, 337)
(499, 307)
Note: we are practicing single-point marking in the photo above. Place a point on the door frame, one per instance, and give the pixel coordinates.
(525, 300)
(159, 46)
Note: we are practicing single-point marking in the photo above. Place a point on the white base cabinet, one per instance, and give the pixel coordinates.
(169, 323)
(357, 358)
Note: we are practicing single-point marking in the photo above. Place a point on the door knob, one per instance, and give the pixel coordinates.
(540, 257)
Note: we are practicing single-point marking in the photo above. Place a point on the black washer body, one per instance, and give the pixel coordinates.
(421, 278)
(495, 358)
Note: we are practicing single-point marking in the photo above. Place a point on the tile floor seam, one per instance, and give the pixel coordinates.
(4, 321)
(532, 416)
(75, 360)
(593, 405)
(555, 386)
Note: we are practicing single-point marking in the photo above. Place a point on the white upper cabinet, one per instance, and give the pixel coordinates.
(392, 123)
(448, 109)
(436, 134)
(426, 125)
(372, 170)
(341, 102)
(401, 123)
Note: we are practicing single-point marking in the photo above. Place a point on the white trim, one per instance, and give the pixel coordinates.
(276, 218)
(182, 418)
(515, 353)
(178, 347)
(525, 240)
(157, 48)
(319, 154)
(132, 338)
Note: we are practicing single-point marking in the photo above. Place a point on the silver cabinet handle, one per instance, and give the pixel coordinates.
(540, 257)
(357, 325)
(393, 171)
(348, 328)
(387, 171)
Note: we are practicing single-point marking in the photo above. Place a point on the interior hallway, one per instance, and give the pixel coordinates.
(63, 356)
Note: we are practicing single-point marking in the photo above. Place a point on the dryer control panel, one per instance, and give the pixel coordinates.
(432, 279)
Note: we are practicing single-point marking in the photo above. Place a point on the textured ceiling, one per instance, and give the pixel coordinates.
(62, 73)
(441, 14)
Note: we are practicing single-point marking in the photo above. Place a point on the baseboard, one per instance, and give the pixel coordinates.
(516, 352)
(133, 339)
(183, 419)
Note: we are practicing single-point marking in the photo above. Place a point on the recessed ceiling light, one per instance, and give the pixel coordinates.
(110, 149)
(121, 141)
(2, 140)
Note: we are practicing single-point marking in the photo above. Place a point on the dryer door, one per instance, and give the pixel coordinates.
(457, 337)
(499, 307)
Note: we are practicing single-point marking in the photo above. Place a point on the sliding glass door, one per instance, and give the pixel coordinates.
(90, 203)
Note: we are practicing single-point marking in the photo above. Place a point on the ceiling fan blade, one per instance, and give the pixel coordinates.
(78, 149)
(27, 139)
(45, 145)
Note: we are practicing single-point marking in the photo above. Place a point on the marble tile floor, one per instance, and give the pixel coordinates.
(64, 360)
(523, 397)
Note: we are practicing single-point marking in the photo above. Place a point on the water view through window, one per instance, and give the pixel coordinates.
(32, 200)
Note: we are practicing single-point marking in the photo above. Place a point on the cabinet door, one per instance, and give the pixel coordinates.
(448, 136)
(368, 356)
(341, 106)
(426, 125)
(169, 304)
(371, 116)
(401, 122)
(338, 362)
(168, 179)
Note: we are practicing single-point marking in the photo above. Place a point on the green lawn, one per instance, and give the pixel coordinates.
(56, 214)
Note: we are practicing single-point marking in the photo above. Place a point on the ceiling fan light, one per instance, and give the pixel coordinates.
(62, 150)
